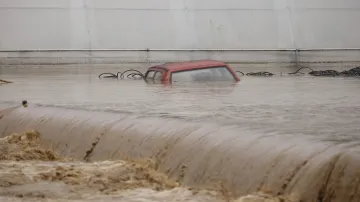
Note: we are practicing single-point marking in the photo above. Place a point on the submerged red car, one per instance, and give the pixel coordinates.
(201, 70)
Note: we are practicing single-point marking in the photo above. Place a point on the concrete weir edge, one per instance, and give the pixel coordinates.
(198, 153)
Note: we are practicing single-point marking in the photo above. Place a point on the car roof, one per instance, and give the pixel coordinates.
(176, 66)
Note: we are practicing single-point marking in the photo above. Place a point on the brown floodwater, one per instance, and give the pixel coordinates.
(326, 108)
(253, 131)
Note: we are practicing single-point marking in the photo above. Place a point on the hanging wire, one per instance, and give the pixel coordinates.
(298, 71)
(352, 72)
(259, 74)
(135, 74)
(240, 73)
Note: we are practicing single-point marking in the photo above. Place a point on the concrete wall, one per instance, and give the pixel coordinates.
(178, 24)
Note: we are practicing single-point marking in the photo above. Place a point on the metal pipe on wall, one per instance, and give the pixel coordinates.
(182, 50)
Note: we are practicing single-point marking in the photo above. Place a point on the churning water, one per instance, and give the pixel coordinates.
(279, 113)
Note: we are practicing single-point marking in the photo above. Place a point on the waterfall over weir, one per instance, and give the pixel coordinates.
(199, 153)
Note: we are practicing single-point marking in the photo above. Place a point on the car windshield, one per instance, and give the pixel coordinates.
(205, 74)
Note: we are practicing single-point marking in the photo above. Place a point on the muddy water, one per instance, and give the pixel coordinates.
(326, 108)
(256, 129)
(33, 173)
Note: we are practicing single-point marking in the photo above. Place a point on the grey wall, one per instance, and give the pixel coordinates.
(178, 24)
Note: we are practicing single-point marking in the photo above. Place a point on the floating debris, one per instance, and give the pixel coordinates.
(135, 74)
(4, 81)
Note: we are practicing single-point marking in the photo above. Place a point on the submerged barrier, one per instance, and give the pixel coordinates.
(199, 153)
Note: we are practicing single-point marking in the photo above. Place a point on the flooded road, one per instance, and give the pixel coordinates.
(327, 108)
(324, 111)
